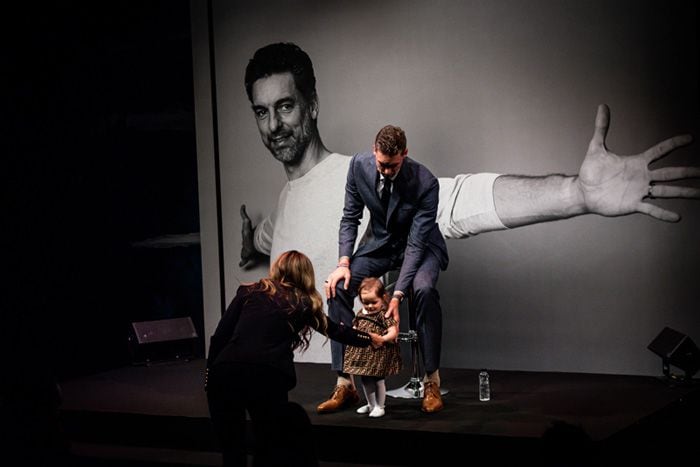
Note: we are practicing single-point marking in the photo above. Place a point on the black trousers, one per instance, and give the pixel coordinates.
(281, 430)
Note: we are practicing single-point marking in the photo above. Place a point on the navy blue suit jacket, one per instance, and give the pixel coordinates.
(408, 228)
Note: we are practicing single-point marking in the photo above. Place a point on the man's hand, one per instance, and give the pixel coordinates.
(393, 310)
(248, 252)
(341, 273)
(613, 185)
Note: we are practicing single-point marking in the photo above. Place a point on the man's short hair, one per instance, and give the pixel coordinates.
(391, 140)
(282, 57)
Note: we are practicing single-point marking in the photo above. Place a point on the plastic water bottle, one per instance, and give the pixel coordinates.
(484, 386)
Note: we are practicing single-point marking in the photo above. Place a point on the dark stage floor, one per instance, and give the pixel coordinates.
(159, 414)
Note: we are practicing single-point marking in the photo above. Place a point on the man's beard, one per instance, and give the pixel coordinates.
(295, 146)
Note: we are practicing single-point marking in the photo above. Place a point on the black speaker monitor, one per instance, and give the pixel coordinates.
(163, 339)
(676, 349)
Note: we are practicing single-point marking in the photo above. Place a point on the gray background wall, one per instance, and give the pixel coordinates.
(502, 86)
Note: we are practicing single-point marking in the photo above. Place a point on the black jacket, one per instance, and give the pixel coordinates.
(259, 328)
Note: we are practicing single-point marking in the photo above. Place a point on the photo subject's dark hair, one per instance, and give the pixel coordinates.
(282, 57)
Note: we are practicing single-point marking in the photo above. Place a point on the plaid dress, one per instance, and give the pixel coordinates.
(368, 361)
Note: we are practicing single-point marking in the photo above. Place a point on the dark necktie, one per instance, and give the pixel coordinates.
(386, 193)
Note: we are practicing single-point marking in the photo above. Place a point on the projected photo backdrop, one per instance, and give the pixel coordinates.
(480, 86)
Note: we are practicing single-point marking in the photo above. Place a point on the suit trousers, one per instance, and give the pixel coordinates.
(426, 300)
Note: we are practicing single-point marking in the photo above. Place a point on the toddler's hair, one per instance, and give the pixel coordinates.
(374, 284)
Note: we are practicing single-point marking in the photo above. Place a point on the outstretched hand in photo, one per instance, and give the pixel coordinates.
(614, 185)
(607, 184)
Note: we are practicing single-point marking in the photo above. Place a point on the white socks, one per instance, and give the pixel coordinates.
(344, 381)
(433, 377)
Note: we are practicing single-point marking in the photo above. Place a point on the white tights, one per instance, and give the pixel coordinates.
(374, 388)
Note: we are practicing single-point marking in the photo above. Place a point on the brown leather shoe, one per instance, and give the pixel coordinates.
(342, 397)
(432, 399)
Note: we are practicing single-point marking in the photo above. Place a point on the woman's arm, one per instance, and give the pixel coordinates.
(347, 335)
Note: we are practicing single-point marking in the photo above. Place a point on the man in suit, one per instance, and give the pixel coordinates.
(402, 198)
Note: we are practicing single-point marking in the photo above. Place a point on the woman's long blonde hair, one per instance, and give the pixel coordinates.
(294, 271)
